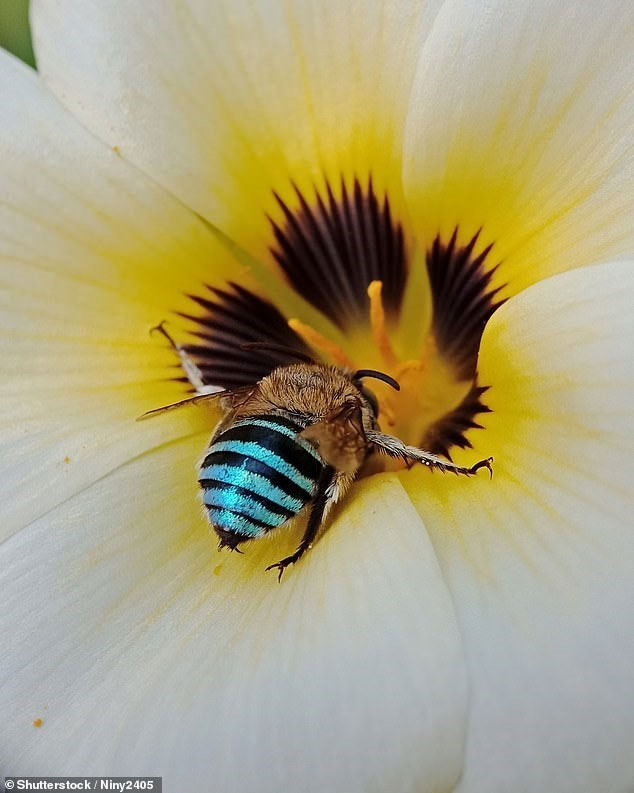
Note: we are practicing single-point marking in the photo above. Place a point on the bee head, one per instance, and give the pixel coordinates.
(369, 396)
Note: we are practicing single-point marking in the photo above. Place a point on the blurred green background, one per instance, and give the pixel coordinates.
(14, 29)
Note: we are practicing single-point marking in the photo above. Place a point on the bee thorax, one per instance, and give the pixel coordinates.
(316, 391)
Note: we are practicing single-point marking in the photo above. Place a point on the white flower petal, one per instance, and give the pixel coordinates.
(223, 102)
(539, 560)
(92, 255)
(521, 124)
(144, 650)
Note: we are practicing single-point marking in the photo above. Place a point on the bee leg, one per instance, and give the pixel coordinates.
(394, 447)
(314, 521)
(229, 540)
(193, 373)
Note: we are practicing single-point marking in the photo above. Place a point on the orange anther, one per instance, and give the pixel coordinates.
(318, 342)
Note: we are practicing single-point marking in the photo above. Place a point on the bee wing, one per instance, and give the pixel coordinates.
(231, 396)
(340, 440)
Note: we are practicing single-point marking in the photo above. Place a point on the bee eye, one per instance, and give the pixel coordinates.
(371, 400)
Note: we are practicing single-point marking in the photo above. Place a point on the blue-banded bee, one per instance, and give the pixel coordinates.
(295, 439)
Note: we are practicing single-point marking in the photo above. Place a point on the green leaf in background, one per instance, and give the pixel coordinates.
(15, 34)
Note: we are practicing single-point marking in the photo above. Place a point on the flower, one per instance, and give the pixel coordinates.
(442, 634)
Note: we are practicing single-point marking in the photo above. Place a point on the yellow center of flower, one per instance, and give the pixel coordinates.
(429, 388)
(375, 301)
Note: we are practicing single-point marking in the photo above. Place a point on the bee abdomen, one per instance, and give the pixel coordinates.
(257, 474)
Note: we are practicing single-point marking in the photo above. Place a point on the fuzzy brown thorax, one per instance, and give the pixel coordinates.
(316, 390)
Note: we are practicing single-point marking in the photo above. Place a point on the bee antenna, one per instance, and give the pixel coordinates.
(267, 345)
(377, 376)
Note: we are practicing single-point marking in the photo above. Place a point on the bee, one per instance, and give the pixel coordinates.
(293, 441)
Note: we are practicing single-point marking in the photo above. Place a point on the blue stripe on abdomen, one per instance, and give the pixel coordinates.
(257, 474)
(237, 523)
(244, 466)
(288, 446)
(240, 501)
(258, 452)
(258, 484)
(273, 424)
